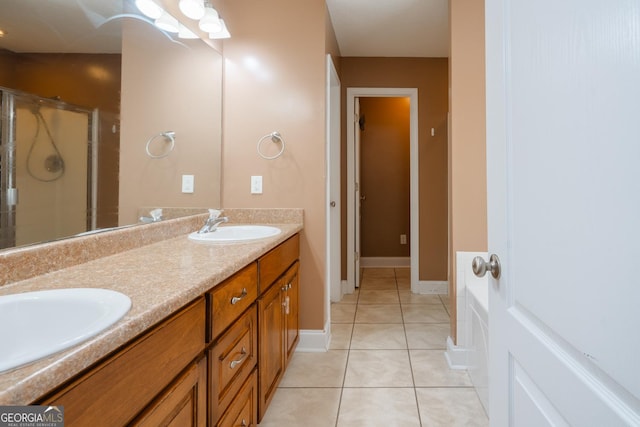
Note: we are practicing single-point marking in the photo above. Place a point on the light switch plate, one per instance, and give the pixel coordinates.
(256, 185)
(188, 182)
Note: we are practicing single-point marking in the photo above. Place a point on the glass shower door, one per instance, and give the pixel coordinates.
(47, 173)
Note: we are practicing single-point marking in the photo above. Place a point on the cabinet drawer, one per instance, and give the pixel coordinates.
(231, 360)
(276, 262)
(231, 298)
(243, 411)
(120, 387)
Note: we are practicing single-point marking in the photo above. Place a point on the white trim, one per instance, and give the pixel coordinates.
(431, 287)
(332, 163)
(314, 340)
(412, 93)
(385, 262)
(457, 356)
(345, 288)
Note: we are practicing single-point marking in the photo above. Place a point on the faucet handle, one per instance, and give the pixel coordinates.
(214, 213)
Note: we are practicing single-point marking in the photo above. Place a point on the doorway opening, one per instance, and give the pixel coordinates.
(355, 195)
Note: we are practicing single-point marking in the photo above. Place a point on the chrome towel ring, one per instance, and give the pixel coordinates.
(170, 136)
(275, 137)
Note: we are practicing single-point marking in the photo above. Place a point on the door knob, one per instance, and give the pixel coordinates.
(480, 266)
(332, 204)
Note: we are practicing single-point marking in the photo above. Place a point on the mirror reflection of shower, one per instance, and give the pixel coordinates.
(54, 162)
(48, 168)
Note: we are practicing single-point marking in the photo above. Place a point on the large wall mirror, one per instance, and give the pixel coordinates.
(102, 116)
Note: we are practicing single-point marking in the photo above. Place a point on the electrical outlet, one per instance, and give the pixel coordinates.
(188, 182)
(403, 239)
(256, 185)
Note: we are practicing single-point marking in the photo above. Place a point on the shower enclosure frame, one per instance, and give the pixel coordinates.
(8, 185)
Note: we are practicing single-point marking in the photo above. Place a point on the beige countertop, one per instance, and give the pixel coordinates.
(160, 278)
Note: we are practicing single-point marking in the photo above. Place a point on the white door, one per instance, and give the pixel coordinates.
(563, 157)
(357, 134)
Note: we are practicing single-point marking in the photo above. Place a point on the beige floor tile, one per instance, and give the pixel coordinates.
(378, 313)
(378, 283)
(350, 298)
(404, 284)
(378, 336)
(343, 313)
(340, 336)
(408, 297)
(378, 407)
(424, 313)
(427, 336)
(378, 272)
(403, 272)
(316, 369)
(451, 407)
(309, 407)
(430, 369)
(378, 296)
(378, 368)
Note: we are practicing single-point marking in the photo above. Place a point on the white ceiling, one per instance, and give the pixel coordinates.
(391, 28)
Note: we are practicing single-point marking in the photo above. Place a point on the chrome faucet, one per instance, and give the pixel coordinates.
(213, 221)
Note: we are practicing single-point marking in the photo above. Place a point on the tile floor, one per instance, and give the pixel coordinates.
(385, 367)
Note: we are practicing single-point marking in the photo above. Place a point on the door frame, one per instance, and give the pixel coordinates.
(333, 270)
(364, 92)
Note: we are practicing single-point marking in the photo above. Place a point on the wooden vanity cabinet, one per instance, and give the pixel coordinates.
(123, 385)
(216, 362)
(278, 318)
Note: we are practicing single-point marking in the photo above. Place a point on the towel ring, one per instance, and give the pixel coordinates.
(168, 135)
(275, 137)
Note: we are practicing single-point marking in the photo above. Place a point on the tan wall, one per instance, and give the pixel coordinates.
(430, 76)
(275, 81)
(331, 42)
(385, 177)
(168, 87)
(468, 157)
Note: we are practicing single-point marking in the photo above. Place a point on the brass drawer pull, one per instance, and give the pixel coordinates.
(235, 300)
(243, 424)
(236, 362)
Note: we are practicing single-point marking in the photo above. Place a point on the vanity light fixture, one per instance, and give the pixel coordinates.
(222, 34)
(186, 33)
(193, 9)
(167, 23)
(210, 22)
(149, 8)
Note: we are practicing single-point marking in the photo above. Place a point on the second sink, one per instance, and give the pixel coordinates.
(236, 233)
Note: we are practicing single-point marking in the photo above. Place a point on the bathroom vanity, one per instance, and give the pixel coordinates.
(206, 342)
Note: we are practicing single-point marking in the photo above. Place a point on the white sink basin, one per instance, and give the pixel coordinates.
(236, 233)
(34, 325)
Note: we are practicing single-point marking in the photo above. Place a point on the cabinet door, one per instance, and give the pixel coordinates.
(271, 343)
(292, 327)
(183, 404)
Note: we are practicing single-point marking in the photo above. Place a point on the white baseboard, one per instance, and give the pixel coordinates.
(457, 357)
(384, 262)
(314, 340)
(432, 287)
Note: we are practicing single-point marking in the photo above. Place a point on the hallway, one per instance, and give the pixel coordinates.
(385, 367)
